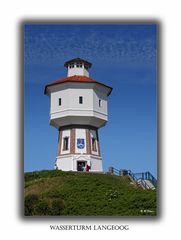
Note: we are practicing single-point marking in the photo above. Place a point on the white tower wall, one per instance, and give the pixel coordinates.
(93, 110)
(68, 159)
(78, 108)
(69, 163)
(100, 100)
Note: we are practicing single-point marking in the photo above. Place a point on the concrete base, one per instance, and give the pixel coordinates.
(74, 162)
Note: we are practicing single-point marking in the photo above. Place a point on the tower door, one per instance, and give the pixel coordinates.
(81, 166)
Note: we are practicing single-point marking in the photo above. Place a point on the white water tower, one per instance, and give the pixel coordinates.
(78, 108)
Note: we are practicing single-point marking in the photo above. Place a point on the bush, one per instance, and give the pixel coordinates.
(42, 208)
(30, 202)
(57, 207)
(112, 194)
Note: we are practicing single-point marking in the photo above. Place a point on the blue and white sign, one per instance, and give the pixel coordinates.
(80, 143)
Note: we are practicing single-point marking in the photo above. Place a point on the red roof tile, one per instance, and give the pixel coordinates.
(76, 78)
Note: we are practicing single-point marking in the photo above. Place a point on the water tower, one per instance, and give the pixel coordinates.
(78, 108)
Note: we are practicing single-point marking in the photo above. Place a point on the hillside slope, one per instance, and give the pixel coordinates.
(60, 193)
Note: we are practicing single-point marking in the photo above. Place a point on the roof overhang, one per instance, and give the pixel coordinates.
(88, 80)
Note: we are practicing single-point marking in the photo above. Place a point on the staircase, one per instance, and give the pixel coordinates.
(146, 184)
(145, 179)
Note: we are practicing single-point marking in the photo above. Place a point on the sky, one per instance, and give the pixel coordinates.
(123, 56)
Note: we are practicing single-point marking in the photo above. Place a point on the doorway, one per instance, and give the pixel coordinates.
(81, 166)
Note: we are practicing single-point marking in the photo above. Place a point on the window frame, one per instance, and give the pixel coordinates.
(65, 143)
(94, 144)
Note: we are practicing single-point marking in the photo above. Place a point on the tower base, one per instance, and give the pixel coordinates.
(78, 163)
(78, 149)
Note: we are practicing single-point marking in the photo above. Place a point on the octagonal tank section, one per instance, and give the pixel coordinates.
(78, 103)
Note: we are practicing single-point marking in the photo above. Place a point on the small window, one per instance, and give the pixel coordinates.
(100, 103)
(78, 65)
(60, 101)
(94, 147)
(65, 143)
(80, 100)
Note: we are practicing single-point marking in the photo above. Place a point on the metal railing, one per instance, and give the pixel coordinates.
(147, 176)
(152, 179)
(137, 178)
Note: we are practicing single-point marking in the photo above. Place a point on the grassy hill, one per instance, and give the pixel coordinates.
(61, 193)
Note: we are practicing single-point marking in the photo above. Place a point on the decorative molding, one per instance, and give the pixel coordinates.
(78, 110)
(78, 126)
(78, 156)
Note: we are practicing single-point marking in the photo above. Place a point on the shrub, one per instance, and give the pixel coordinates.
(30, 202)
(57, 207)
(42, 208)
(112, 194)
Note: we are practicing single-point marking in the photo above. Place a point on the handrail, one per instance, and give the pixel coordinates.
(152, 179)
(129, 173)
(114, 171)
(145, 176)
(137, 178)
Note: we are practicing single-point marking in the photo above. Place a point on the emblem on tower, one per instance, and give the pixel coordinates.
(80, 143)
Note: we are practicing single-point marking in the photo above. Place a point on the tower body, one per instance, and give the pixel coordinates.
(78, 108)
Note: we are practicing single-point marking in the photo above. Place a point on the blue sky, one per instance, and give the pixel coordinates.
(124, 57)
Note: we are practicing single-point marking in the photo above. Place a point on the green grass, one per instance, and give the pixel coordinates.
(58, 193)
